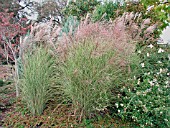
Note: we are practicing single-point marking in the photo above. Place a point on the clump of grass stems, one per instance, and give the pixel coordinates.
(88, 75)
(38, 75)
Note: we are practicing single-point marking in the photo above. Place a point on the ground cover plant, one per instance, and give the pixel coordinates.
(7, 92)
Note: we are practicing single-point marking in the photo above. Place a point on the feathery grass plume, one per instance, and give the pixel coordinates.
(38, 75)
(41, 34)
(115, 35)
(139, 29)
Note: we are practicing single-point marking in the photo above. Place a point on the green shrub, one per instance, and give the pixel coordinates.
(106, 11)
(147, 101)
(80, 8)
(88, 77)
(1, 82)
(38, 73)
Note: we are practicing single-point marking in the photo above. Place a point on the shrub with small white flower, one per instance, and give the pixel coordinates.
(146, 100)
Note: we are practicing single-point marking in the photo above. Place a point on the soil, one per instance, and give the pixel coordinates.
(7, 92)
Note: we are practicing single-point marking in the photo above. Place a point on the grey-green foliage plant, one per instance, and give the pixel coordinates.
(88, 76)
(38, 76)
(70, 25)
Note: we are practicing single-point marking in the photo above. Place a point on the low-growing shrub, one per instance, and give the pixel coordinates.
(38, 75)
(147, 101)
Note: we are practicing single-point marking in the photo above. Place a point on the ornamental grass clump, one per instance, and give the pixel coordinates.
(93, 61)
(38, 75)
(88, 77)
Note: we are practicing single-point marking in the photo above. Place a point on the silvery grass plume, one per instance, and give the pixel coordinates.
(41, 34)
(136, 26)
(106, 36)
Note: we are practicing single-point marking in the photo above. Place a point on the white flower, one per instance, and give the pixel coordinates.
(162, 10)
(168, 74)
(134, 77)
(151, 83)
(149, 73)
(121, 105)
(133, 117)
(138, 81)
(157, 85)
(161, 70)
(147, 54)
(139, 52)
(118, 111)
(159, 62)
(166, 86)
(166, 82)
(155, 80)
(117, 105)
(160, 50)
(138, 93)
(166, 120)
(148, 90)
(143, 65)
(150, 46)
